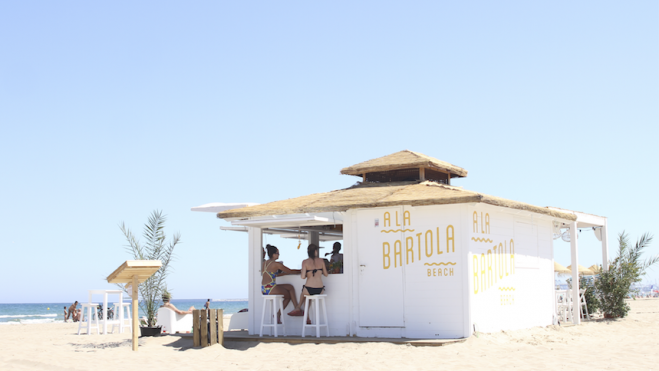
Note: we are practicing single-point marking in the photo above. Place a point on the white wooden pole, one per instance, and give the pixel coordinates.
(605, 247)
(255, 246)
(135, 320)
(576, 302)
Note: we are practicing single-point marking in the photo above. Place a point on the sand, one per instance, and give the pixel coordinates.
(631, 343)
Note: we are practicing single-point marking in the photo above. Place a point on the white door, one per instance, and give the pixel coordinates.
(380, 274)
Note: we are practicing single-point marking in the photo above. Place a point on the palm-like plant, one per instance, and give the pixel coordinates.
(626, 269)
(155, 248)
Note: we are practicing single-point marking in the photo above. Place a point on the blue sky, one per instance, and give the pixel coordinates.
(111, 110)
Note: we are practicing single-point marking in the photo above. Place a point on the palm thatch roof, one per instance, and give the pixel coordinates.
(404, 160)
(369, 195)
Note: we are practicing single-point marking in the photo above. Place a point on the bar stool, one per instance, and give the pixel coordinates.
(90, 309)
(272, 302)
(319, 300)
(122, 316)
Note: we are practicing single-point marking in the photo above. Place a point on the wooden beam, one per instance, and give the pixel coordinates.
(196, 331)
(135, 319)
(422, 174)
(213, 323)
(220, 326)
(204, 328)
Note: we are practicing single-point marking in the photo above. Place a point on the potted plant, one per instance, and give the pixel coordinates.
(155, 248)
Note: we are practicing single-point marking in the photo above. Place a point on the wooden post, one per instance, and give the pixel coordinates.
(213, 323)
(135, 319)
(204, 328)
(422, 174)
(576, 299)
(220, 326)
(196, 331)
(448, 181)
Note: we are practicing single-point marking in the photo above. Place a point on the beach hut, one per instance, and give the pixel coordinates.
(422, 257)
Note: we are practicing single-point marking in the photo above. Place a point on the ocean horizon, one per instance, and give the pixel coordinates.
(30, 313)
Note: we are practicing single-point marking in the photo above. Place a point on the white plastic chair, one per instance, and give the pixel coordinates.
(172, 322)
(89, 312)
(583, 306)
(273, 303)
(239, 321)
(318, 302)
(122, 313)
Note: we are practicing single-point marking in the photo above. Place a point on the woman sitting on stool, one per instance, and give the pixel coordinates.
(310, 267)
(269, 284)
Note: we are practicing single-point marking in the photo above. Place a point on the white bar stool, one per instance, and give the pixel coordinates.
(89, 311)
(319, 300)
(272, 302)
(122, 316)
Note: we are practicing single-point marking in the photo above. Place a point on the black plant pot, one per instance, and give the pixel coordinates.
(150, 331)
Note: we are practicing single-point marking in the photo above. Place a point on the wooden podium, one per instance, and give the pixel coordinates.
(134, 272)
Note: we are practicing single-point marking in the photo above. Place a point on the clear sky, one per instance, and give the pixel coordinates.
(110, 110)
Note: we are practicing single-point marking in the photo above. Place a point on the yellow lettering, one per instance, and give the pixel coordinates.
(446, 271)
(428, 252)
(406, 217)
(387, 218)
(482, 231)
(450, 239)
(409, 248)
(398, 253)
(500, 260)
(475, 267)
(475, 226)
(418, 236)
(505, 246)
(495, 262)
(397, 224)
(429, 272)
(450, 271)
(512, 256)
(489, 268)
(439, 252)
(386, 260)
(487, 223)
(483, 280)
(439, 272)
(434, 271)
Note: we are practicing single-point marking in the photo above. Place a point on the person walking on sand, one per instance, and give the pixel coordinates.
(72, 310)
(65, 315)
(207, 306)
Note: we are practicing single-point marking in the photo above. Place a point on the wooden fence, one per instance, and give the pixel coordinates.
(207, 327)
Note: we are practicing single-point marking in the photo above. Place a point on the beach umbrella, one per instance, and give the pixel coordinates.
(560, 269)
(595, 268)
(582, 270)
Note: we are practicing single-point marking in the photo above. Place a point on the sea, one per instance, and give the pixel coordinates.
(15, 314)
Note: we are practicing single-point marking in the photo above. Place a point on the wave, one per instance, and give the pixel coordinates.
(26, 315)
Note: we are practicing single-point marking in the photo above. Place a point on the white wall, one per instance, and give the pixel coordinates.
(418, 293)
(510, 268)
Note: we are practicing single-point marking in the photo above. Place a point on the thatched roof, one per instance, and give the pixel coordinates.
(369, 195)
(404, 160)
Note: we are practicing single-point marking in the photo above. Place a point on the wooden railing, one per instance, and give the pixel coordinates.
(207, 327)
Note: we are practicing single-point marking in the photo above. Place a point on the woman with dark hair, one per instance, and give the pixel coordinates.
(269, 286)
(310, 267)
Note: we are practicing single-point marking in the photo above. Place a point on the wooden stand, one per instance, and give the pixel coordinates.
(207, 327)
(134, 272)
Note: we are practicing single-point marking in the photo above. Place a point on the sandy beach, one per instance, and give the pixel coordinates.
(630, 343)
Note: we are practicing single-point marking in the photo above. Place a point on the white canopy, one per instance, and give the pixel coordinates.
(216, 207)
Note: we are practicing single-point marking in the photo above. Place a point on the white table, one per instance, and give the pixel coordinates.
(105, 294)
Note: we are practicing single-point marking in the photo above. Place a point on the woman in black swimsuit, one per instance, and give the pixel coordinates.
(313, 269)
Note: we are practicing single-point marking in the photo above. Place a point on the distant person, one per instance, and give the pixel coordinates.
(208, 304)
(65, 315)
(166, 304)
(336, 256)
(77, 316)
(72, 310)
